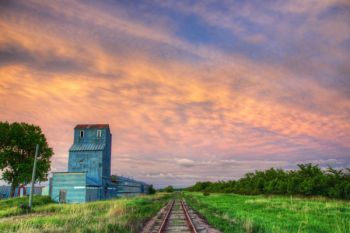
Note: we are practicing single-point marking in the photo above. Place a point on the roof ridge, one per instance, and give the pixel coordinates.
(87, 126)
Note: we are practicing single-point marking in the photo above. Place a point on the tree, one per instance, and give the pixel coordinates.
(308, 180)
(151, 190)
(169, 189)
(17, 152)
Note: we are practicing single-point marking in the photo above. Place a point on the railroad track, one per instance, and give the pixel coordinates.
(173, 218)
(176, 217)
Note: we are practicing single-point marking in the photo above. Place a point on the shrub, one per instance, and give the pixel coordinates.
(308, 180)
(151, 190)
(169, 189)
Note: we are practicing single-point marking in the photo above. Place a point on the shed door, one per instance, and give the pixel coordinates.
(63, 195)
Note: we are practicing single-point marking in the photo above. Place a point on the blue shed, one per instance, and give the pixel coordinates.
(89, 169)
(91, 152)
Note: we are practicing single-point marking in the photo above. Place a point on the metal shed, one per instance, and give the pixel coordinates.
(89, 169)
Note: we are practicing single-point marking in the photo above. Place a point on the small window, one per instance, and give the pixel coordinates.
(81, 133)
(99, 133)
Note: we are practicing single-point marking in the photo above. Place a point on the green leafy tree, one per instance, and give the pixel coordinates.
(307, 180)
(151, 190)
(169, 189)
(17, 152)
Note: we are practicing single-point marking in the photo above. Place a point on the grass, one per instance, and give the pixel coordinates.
(239, 213)
(118, 215)
(228, 212)
(11, 206)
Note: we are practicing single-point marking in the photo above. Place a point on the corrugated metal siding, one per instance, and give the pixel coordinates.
(73, 183)
(87, 147)
(128, 187)
(92, 193)
(91, 154)
(90, 162)
(90, 181)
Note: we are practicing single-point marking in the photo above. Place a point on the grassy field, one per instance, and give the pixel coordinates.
(238, 213)
(227, 212)
(119, 215)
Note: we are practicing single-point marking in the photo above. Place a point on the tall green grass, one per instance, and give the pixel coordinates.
(11, 206)
(239, 213)
(118, 215)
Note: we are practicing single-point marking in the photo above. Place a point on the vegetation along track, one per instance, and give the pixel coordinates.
(176, 217)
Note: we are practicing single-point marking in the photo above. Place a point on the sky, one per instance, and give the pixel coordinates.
(192, 90)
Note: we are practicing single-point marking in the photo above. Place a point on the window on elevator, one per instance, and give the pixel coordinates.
(99, 133)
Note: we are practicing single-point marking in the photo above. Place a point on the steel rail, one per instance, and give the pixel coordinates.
(165, 220)
(188, 218)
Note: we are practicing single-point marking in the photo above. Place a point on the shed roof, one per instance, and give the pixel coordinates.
(91, 181)
(87, 126)
(87, 147)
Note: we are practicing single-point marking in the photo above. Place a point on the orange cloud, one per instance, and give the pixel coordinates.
(167, 109)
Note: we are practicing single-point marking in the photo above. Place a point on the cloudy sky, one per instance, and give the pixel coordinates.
(192, 90)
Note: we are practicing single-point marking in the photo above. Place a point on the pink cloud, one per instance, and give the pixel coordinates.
(163, 111)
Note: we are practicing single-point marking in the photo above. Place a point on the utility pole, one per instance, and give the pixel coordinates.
(33, 177)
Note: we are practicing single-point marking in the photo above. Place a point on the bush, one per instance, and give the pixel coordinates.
(151, 190)
(308, 180)
(206, 193)
(169, 189)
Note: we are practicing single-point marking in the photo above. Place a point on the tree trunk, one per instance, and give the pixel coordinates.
(13, 189)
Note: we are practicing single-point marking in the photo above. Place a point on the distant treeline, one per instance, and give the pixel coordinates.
(307, 180)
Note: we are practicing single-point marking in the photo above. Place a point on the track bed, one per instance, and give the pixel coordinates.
(176, 217)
